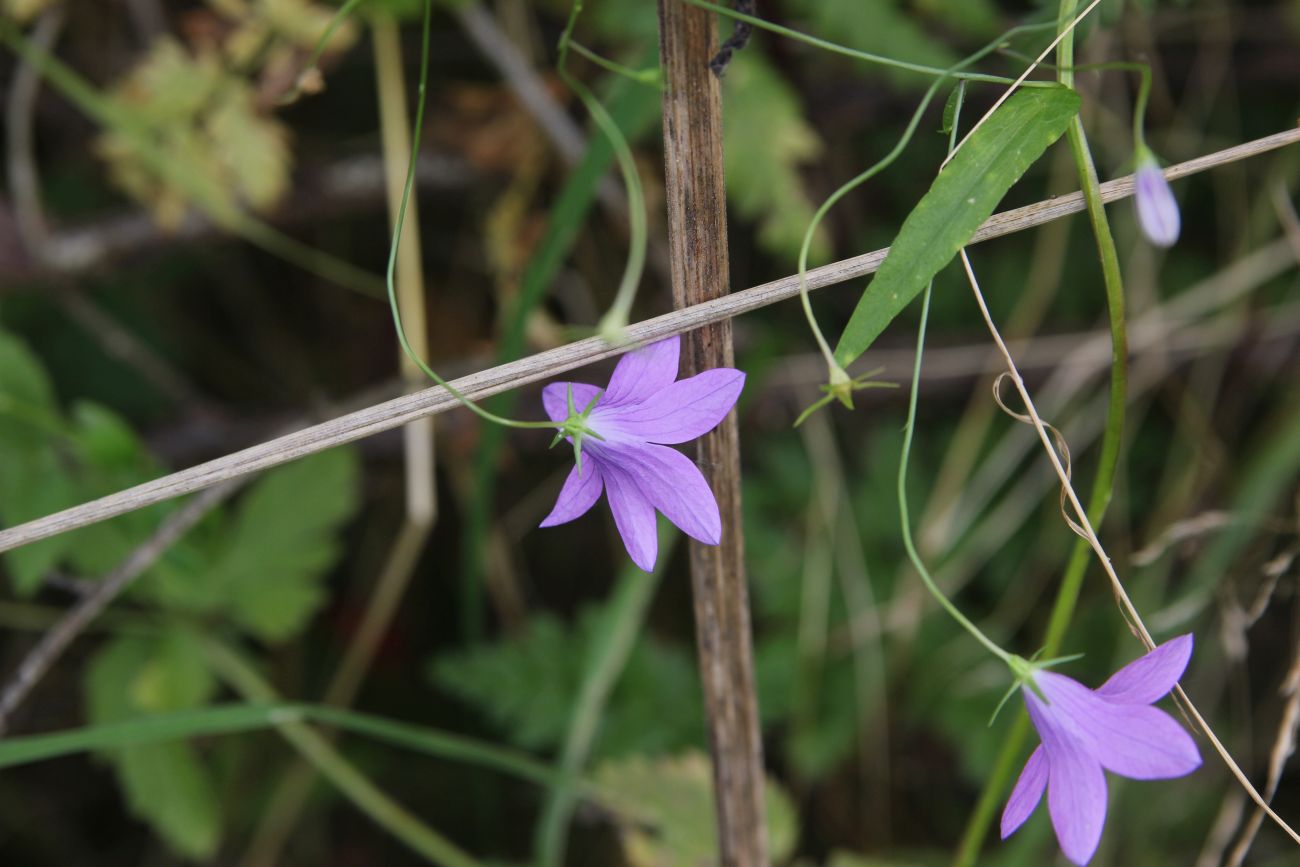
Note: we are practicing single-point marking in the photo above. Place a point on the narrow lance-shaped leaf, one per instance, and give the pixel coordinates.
(962, 197)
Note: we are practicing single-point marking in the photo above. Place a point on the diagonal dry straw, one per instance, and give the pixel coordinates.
(430, 401)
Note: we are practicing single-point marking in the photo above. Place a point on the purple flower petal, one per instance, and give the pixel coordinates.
(1076, 788)
(1027, 793)
(672, 483)
(555, 397)
(642, 373)
(580, 493)
(1076, 798)
(1133, 740)
(633, 515)
(1157, 209)
(678, 413)
(1149, 677)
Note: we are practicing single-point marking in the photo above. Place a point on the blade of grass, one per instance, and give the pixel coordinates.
(243, 718)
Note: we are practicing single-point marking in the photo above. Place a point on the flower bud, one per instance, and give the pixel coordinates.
(1157, 211)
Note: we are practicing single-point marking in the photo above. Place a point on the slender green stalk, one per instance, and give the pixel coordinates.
(1103, 483)
(909, 430)
(641, 76)
(419, 362)
(231, 667)
(905, 520)
(606, 658)
(835, 48)
(614, 322)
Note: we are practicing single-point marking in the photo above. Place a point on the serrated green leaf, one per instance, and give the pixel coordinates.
(527, 685)
(34, 482)
(282, 540)
(110, 457)
(766, 142)
(188, 110)
(667, 808)
(962, 197)
(165, 783)
(27, 405)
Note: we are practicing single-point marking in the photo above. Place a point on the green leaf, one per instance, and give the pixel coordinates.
(111, 458)
(165, 783)
(34, 482)
(766, 141)
(962, 197)
(27, 404)
(667, 810)
(527, 686)
(282, 540)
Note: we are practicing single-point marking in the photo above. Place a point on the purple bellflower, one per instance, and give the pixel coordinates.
(1157, 209)
(623, 433)
(1083, 731)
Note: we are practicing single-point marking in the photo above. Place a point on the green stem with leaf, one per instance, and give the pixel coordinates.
(909, 428)
(1108, 462)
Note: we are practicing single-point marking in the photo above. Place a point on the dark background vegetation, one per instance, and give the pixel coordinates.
(181, 343)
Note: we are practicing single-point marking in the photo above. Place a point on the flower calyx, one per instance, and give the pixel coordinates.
(1022, 675)
(840, 386)
(576, 428)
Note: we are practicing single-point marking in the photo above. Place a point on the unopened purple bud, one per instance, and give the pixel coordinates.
(1157, 210)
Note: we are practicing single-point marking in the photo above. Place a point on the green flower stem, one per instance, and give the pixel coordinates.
(1068, 593)
(231, 667)
(909, 428)
(614, 322)
(844, 50)
(108, 113)
(336, 22)
(905, 520)
(641, 76)
(1139, 103)
(390, 272)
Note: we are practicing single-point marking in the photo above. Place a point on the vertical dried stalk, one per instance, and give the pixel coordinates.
(697, 246)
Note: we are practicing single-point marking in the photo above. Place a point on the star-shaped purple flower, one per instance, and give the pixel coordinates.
(1083, 731)
(624, 451)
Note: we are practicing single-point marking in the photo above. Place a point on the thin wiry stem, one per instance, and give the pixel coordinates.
(401, 410)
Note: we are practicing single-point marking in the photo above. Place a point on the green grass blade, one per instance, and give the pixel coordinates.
(239, 718)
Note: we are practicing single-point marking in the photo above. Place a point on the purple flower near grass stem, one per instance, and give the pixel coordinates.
(1084, 731)
(1156, 207)
(620, 438)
